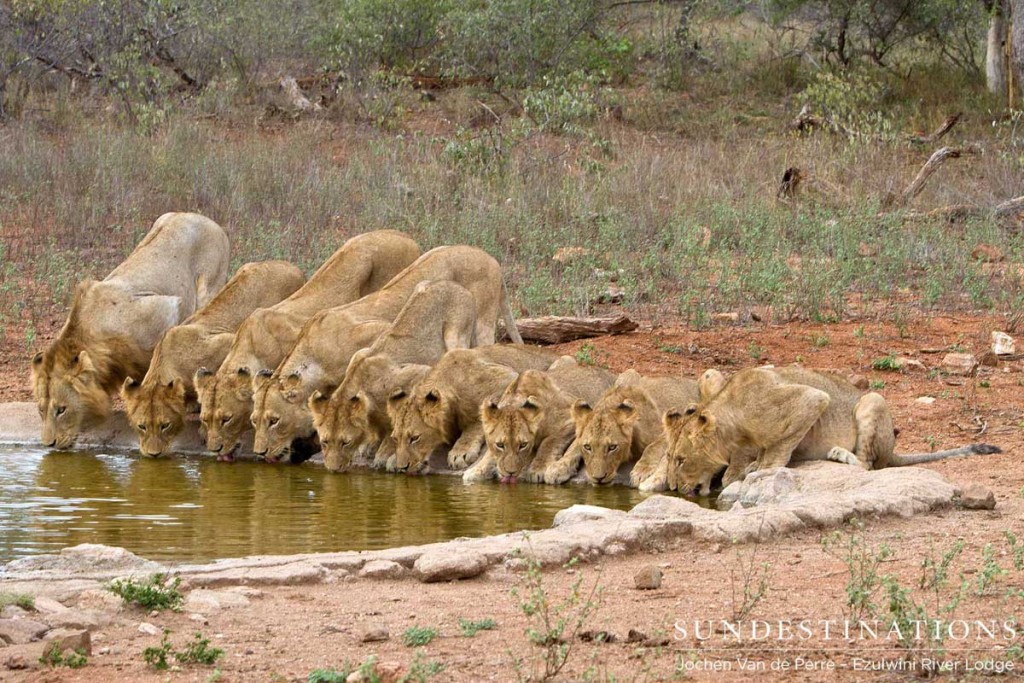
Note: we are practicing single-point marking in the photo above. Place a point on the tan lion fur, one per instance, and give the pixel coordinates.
(443, 409)
(359, 267)
(529, 425)
(623, 426)
(114, 324)
(439, 316)
(157, 405)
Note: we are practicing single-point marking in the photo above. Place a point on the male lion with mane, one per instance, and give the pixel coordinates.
(764, 418)
(157, 405)
(115, 323)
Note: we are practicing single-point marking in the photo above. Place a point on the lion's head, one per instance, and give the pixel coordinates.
(69, 395)
(156, 412)
(225, 400)
(510, 429)
(279, 415)
(422, 422)
(341, 423)
(695, 453)
(605, 437)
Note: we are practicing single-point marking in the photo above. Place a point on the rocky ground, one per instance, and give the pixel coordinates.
(280, 625)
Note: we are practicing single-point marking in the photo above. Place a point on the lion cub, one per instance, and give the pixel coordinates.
(529, 425)
(438, 317)
(623, 426)
(443, 409)
(156, 406)
(763, 418)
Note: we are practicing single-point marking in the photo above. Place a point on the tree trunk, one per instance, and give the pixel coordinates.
(1017, 42)
(995, 56)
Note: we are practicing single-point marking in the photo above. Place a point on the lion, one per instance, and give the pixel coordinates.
(529, 425)
(764, 418)
(157, 405)
(359, 267)
(624, 425)
(473, 269)
(115, 324)
(443, 409)
(439, 316)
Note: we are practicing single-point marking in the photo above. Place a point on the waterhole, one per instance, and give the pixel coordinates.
(195, 509)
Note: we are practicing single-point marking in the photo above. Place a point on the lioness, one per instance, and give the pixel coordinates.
(762, 418)
(439, 316)
(624, 425)
(529, 425)
(156, 406)
(313, 362)
(443, 409)
(114, 324)
(359, 267)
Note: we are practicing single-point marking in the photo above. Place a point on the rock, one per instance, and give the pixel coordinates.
(291, 574)
(199, 618)
(860, 381)
(16, 662)
(78, 619)
(382, 672)
(1002, 343)
(86, 558)
(375, 634)
(449, 564)
(760, 488)
(382, 569)
(727, 317)
(584, 513)
(13, 612)
(925, 400)
(65, 639)
(648, 578)
(45, 605)
(21, 631)
(987, 253)
(977, 497)
(202, 600)
(99, 599)
(959, 363)
(149, 629)
(905, 364)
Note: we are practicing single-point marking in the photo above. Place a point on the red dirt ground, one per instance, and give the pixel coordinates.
(287, 632)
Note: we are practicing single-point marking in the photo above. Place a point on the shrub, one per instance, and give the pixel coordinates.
(156, 592)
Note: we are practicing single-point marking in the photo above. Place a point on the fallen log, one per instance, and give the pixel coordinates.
(946, 126)
(557, 329)
(938, 157)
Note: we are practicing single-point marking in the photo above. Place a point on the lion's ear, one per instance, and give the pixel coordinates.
(581, 410)
(489, 410)
(628, 378)
(673, 418)
(262, 378)
(432, 396)
(396, 399)
(202, 376)
(244, 372)
(710, 384)
(85, 363)
(37, 359)
(317, 402)
(130, 386)
(532, 409)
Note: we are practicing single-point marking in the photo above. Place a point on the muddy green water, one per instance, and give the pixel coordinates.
(193, 509)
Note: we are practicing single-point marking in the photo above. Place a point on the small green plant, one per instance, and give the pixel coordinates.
(421, 669)
(418, 636)
(886, 363)
(984, 384)
(588, 354)
(858, 332)
(862, 563)
(755, 350)
(196, 651)
(877, 384)
(989, 572)
(820, 341)
(22, 600)
(749, 582)
(552, 625)
(671, 348)
(54, 657)
(156, 592)
(470, 628)
(328, 675)
(156, 656)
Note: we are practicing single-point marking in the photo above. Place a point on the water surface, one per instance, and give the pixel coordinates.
(194, 509)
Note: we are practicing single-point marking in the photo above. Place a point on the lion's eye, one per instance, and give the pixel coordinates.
(60, 410)
(274, 420)
(414, 439)
(614, 447)
(500, 445)
(164, 426)
(141, 426)
(586, 447)
(224, 420)
(523, 445)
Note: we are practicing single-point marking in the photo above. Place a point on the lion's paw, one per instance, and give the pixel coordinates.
(558, 473)
(653, 484)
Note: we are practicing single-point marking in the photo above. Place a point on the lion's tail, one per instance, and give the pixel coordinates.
(506, 313)
(920, 458)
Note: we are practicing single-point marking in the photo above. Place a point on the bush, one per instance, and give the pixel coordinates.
(156, 592)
